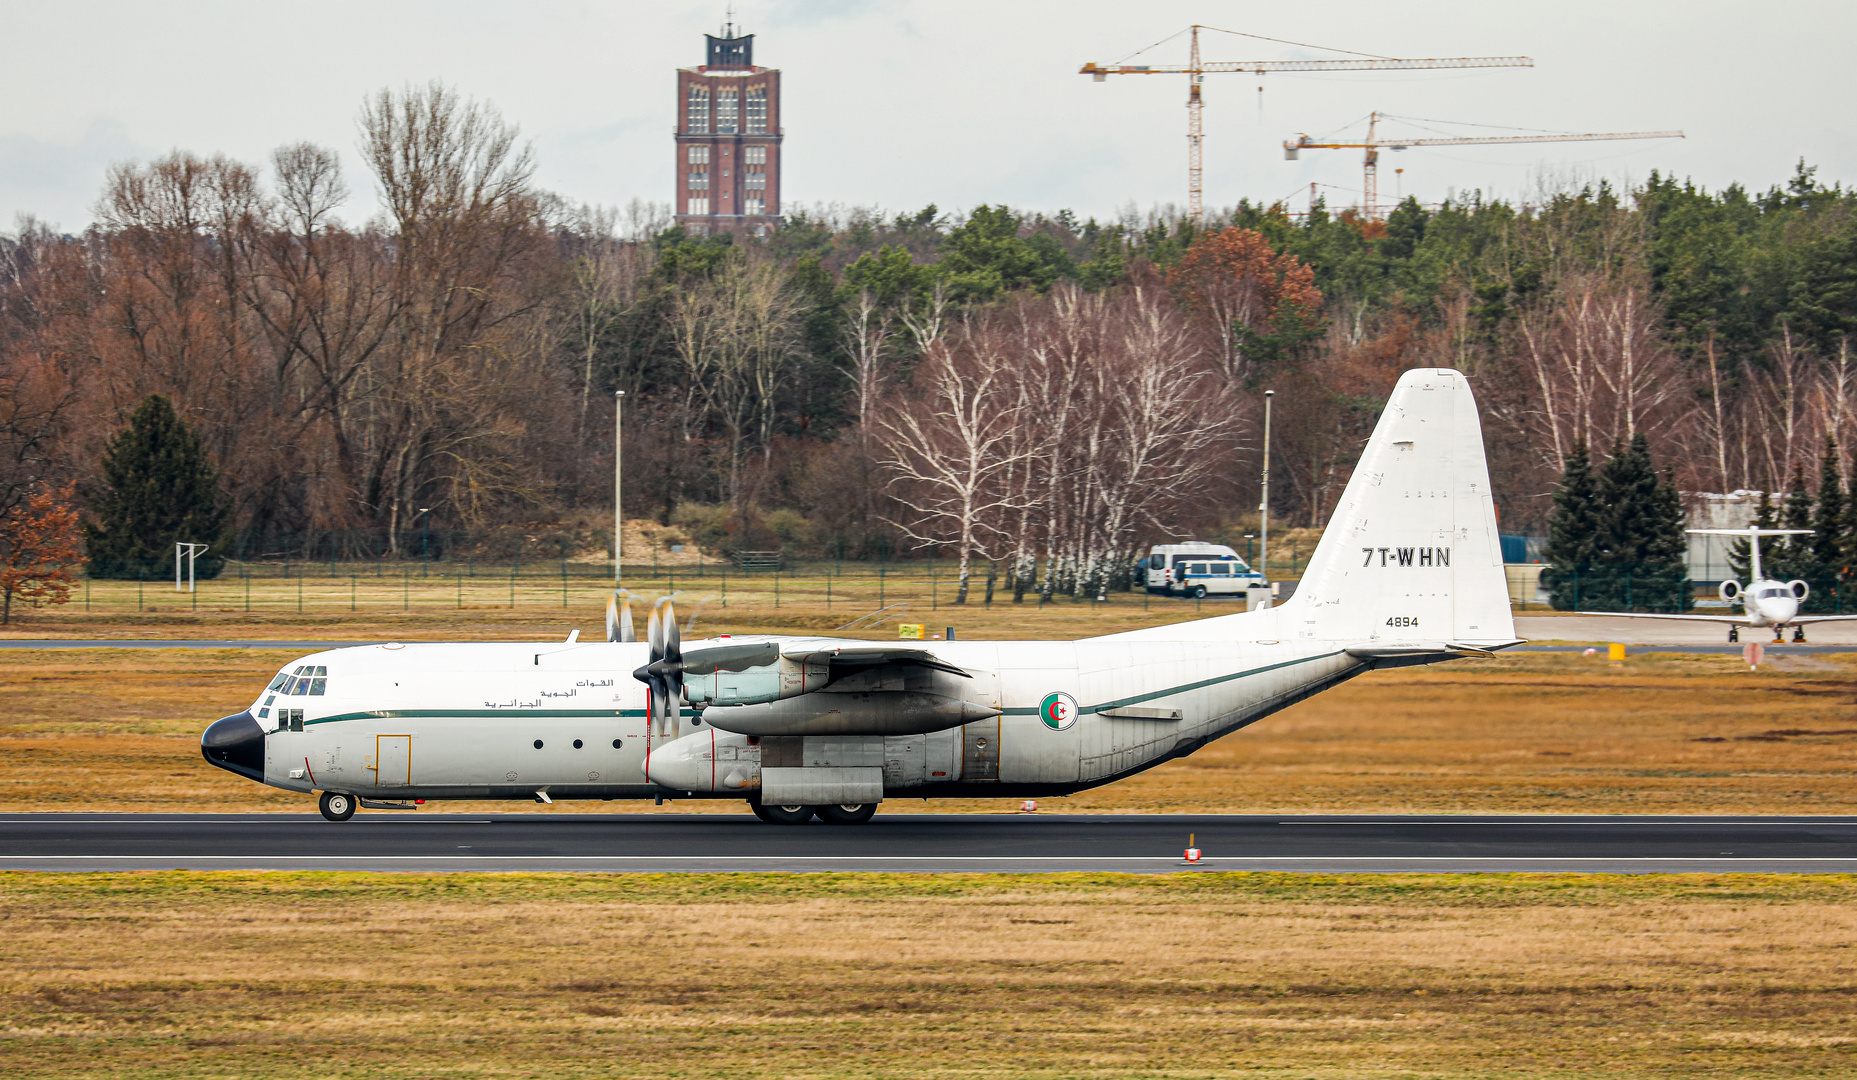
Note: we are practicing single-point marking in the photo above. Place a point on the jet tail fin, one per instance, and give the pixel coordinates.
(1411, 553)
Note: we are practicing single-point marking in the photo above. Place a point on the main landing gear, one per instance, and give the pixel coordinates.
(336, 806)
(800, 815)
(1734, 634)
(1799, 635)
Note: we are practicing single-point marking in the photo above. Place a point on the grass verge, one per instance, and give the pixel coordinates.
(1192, 975)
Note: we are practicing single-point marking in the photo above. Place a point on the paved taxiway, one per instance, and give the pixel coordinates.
(422, 840)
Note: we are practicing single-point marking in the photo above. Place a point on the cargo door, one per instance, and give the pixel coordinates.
(393, 760)
(980, 750)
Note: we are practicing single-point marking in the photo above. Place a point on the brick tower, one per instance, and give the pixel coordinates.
(728, 140)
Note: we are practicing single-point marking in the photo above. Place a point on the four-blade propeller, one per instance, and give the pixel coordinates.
(663, 673)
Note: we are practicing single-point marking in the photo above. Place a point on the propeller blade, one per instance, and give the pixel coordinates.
(660, 706)
(673, 705)
(654, 631)
(626, 632)
(673, 636)
(612, 618)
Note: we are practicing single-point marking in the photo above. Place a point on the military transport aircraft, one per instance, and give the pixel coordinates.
(1764, 601)
(1408, 572)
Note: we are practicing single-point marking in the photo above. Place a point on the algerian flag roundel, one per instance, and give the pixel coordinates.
(1058, 711)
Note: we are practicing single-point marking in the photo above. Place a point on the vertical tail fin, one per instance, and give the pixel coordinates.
(1411, 552)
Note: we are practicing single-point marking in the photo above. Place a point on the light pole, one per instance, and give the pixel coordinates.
(1263, 502)
(618, 487)
(425, 540)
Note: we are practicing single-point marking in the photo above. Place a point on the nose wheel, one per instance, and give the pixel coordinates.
(1734, 634)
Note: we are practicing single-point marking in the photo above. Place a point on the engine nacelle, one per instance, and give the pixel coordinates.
(1800, 589)
(876, 712)
(706, 761)
(752, 686)
(1731, 591)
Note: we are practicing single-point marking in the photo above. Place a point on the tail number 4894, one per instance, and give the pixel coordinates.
(1403, 620)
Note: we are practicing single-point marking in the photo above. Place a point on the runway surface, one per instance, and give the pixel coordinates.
(401, 840)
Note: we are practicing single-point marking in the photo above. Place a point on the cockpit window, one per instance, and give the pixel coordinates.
(303, 680)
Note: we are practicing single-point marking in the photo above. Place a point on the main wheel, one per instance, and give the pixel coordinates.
(847, 815)
(1199, 592)
(336, 805)
(784, 815)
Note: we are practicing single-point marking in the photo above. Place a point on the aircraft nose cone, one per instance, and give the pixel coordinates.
(676, 765)
(236, 744)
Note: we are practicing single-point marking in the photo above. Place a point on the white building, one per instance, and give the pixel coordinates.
(1708, 555)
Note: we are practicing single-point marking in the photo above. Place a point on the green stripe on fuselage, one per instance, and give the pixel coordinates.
(532, 714)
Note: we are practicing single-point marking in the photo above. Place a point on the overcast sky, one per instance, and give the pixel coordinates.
(898, 103)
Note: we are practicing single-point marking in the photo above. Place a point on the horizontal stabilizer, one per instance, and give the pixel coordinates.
(1415, 650)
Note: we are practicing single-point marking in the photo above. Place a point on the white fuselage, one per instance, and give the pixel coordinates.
(1769, 603)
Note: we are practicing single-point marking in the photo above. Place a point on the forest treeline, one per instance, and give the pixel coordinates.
(1038, 396)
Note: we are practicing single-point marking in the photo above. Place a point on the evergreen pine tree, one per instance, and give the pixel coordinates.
(160, 490)
(1641, 540)
(1828, 512)
(1573, 530)
(1791, 557)
(1827, 537)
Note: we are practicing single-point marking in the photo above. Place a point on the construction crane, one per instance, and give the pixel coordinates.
(1370, 180)
(1196, 71)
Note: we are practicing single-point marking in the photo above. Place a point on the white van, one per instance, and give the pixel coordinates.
(1199, 569)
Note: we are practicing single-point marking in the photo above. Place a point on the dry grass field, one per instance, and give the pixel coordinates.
(1190, 975)
(1194, 975)
(112, 729)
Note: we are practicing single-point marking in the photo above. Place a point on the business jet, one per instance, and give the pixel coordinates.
(1765, 603)
(1409, 571)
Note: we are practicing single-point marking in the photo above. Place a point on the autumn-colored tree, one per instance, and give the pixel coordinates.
(40, 545)
(1258, 304)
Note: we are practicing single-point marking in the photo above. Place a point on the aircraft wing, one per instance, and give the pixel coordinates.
(1824, 618)
(862, 655)
(1742, 619)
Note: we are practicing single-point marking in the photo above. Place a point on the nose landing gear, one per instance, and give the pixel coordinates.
(1734, 634)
